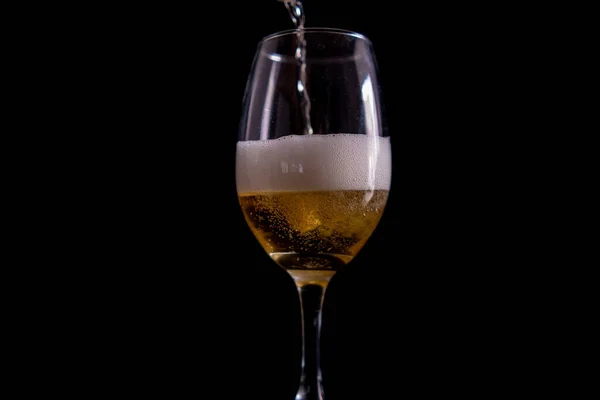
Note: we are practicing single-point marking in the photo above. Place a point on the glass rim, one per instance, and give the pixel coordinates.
(341, 32)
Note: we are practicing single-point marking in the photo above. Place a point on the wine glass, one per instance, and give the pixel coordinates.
(313, 163)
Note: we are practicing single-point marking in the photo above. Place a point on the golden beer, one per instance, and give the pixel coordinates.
(313, 201)
(335, 223)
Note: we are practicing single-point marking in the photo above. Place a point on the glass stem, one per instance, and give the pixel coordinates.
(311, 304)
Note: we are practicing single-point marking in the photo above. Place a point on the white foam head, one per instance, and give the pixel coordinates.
(314, 162)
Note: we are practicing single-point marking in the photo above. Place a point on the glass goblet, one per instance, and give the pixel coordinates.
(313, 164)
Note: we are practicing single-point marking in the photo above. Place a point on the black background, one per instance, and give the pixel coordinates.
(172, 294)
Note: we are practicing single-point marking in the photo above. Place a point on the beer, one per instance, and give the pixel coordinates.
(296, 11)
(312, 201)
(333, 223)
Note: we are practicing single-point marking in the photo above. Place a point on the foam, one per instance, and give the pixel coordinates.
(314, 162)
